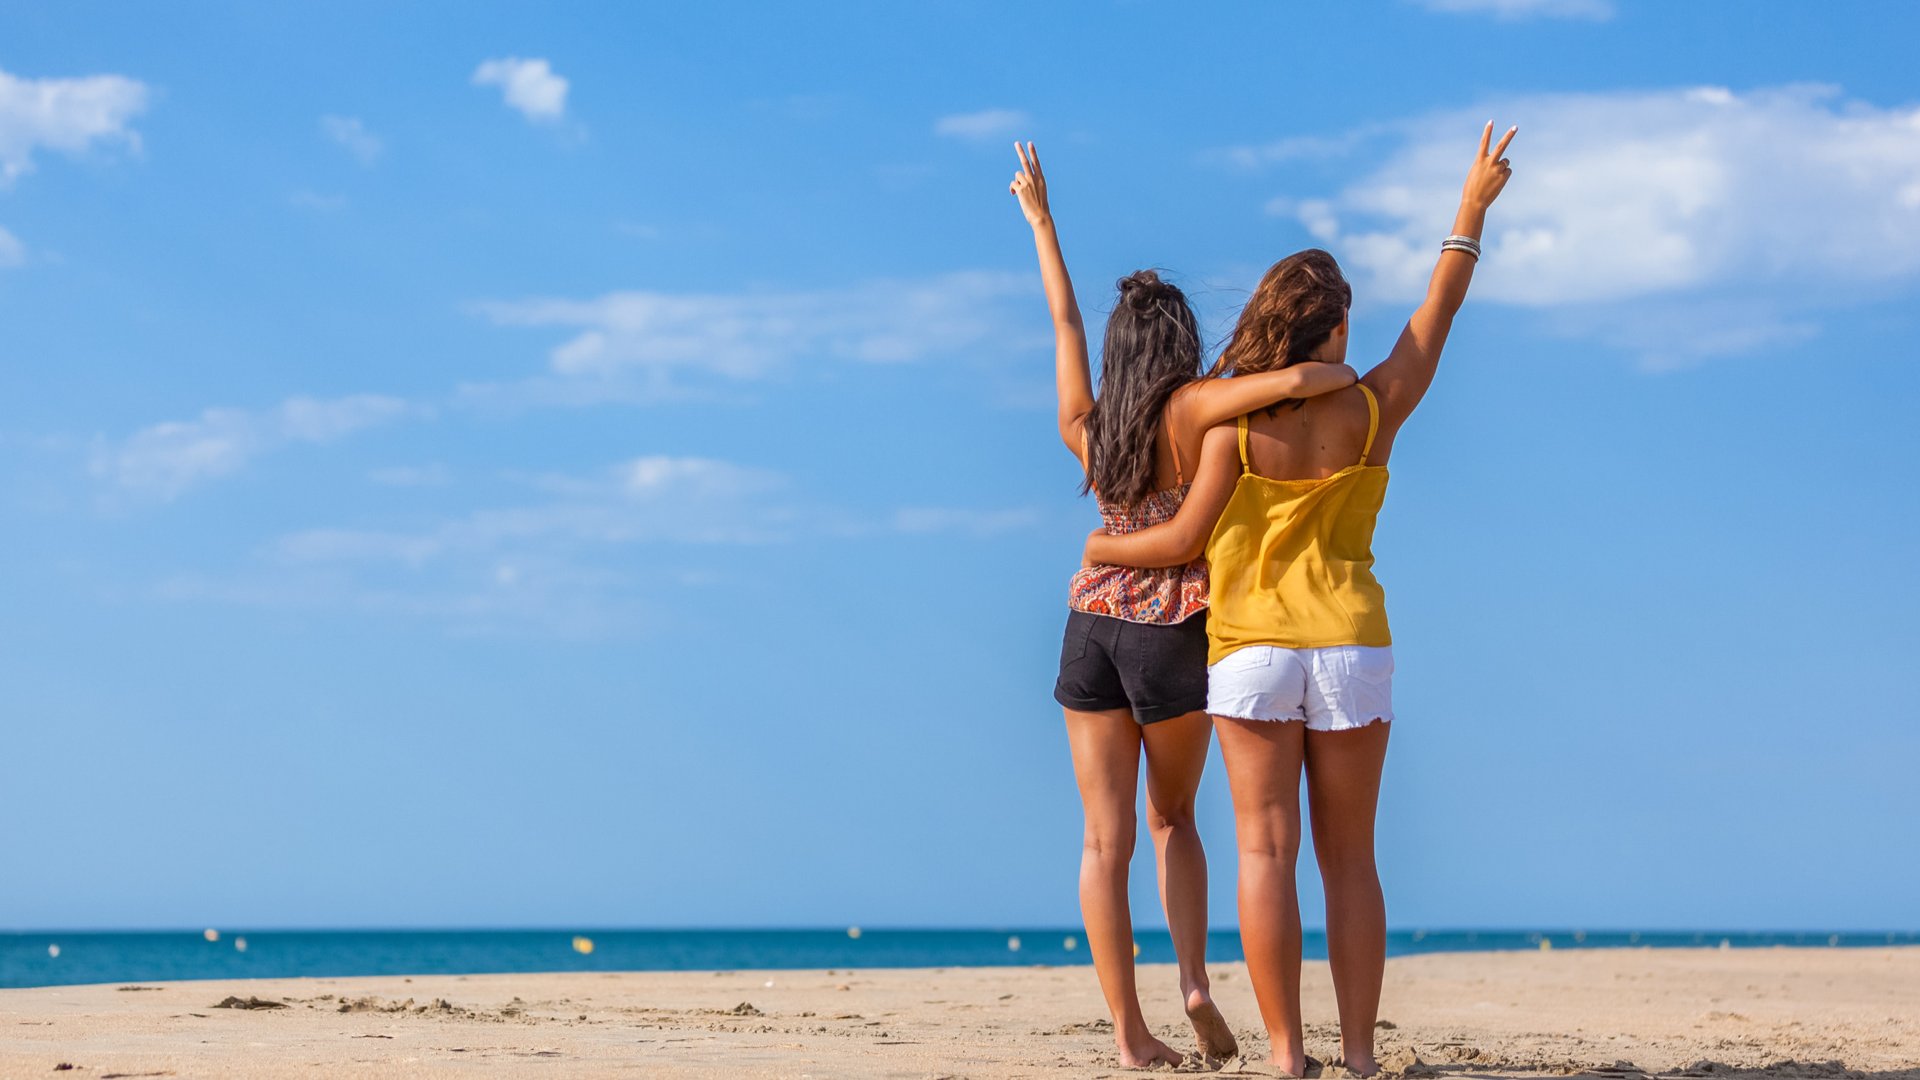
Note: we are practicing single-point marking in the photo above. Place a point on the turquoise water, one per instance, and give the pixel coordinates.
(28, 959)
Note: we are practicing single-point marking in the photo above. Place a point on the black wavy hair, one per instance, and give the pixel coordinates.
(1151, 349)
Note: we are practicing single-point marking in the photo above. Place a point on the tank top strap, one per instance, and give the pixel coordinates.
(1173, 444)
(1373, 426)
(1245, 466)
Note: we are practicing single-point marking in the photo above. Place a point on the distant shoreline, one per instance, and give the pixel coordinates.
(42, 958)
(1754, 1013)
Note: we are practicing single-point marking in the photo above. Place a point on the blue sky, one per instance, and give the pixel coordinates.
(516, 470)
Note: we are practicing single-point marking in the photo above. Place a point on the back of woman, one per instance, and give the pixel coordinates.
(1300, 656)
(1313, 441)
(1293, 549)
(1130, 449)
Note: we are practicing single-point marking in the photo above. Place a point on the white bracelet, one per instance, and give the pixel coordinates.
(1466, 244)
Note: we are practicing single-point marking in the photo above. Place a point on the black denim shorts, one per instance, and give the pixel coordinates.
(1159, 672)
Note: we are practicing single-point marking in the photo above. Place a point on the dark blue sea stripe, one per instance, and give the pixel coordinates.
(26, 958)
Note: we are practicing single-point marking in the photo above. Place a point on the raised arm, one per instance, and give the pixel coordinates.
(1172, 543)
(1206, 402)
(1073, 380)
(1401, 380)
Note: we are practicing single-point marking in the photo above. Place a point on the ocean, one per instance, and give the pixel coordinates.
(42, 958)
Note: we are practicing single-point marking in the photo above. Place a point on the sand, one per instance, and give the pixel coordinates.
(1733, 1014)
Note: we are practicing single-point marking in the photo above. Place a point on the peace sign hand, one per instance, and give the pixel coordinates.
(1030, 186)
(1490, 171)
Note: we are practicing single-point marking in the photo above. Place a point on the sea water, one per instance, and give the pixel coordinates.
(41, 958)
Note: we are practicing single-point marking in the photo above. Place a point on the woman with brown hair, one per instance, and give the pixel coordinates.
(1300, 659)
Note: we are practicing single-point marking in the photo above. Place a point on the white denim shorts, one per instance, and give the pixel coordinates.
(1333, 689)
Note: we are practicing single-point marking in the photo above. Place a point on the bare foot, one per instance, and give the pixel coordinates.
(1216, 1038)
(1294, 1062)
(1362, 1066)
(1143, 1051)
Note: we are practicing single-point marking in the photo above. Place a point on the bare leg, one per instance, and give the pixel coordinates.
(1106, 764)
(1343, 791)
(1176, 755)
(1263, 768)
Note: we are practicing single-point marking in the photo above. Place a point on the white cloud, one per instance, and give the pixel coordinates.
(357, 545)
(527, 85)
(67, 115)
(304, 419)
(165, 460)
(658, 498)
(982, 125)
(745, 335)
(1790, 194)
(654, 475)
(1596, 10)
(574, 554)
(12, 251)
(549, 563)
(546, 599)
(353, 137)
(653, 498)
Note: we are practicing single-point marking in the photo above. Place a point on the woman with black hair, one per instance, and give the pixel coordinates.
(1133, 663)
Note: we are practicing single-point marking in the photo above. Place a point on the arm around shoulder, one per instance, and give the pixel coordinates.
(1211, 401)
(1183, 539)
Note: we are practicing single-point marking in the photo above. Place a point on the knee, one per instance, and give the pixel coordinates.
(1346, 861)
(1273, 840)
(1110, 838)
(1164, 821)
(1277, 849)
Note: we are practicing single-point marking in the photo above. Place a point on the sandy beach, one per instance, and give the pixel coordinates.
(1616, 1013)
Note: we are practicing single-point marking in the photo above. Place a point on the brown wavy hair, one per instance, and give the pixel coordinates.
(1151, 349)
(1298, 305)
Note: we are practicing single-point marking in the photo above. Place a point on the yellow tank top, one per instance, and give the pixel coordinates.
(1291, 561)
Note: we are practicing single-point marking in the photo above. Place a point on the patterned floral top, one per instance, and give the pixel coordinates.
(1162, 595)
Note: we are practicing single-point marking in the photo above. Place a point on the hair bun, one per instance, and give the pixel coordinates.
(1142, 289)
